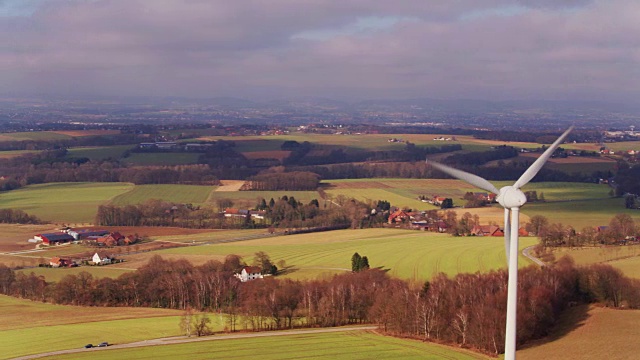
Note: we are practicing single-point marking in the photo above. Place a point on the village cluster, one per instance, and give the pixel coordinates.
(97, 238)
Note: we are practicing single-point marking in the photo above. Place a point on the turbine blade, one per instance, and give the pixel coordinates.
(472, 179)
(537, 165)
(507, 232)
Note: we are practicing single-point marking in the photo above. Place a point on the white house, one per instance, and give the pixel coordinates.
(249, 273)
(100, 258)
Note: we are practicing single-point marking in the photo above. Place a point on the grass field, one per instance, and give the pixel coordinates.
(36, 135)
(407, 254)
(365, 142)
(183, 194)
(625, 258)
(99, 152)
(161, 158)
(26, 324)
(580, 214)
(600, 333)
(345, 345)
(63, 202)
(16, 153)
(576, 204)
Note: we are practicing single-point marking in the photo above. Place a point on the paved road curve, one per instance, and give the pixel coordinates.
(182, 340)
(527, 253)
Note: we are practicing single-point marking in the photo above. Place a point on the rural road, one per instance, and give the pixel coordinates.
(182, 340)
(527, 253)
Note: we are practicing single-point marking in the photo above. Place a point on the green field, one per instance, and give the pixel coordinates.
(183, 194)
(16, 153)
(625, 258)
(345, 345)
(214, 235)
(36, 135)
(161, 158)
(63, 202)
(99, 152)
(576, 204)
(407, 254)
(580, 214)
(30, 327)
(364, 142)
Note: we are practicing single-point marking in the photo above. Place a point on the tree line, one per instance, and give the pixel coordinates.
(16, 216)
(285, 212)
(295, 180)
(621, 229)
(467, 309)
(18, 173)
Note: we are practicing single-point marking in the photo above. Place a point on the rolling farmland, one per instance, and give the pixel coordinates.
(26, 323)
(590, 333)
(576, 204)
(339, 345)
(182, 194)
(407, 254)
(63, 202)
(99, 152)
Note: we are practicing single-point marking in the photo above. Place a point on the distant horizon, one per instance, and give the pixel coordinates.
(349, 101)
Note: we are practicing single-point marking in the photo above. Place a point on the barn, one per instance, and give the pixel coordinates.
(54, 238)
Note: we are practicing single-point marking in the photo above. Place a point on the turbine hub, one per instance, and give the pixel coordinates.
(511, 197)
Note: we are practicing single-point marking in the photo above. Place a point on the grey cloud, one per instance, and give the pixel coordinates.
(211, 48)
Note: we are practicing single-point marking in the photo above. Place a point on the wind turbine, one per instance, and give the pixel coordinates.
(511, 198)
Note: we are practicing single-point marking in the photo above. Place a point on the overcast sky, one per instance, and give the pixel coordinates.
(340, 49)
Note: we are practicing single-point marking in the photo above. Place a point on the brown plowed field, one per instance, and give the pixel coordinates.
(14, 237)
(274, 154)
(360, 185)
(572, 159)
(230, 185)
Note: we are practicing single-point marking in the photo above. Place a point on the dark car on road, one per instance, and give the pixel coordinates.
(88, 346)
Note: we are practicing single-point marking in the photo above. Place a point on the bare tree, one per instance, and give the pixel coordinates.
(186, 322)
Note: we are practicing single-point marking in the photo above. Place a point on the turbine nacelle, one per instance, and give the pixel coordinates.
(511, 197)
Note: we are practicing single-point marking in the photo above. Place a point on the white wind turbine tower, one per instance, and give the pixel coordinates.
(511, 198)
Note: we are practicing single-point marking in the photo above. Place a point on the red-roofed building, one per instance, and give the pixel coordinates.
(487, 230)
(398, 217)
(59, 262)
(113, 239)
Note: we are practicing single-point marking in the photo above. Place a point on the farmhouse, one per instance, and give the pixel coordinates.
(231, 212)
(487, 230)
(59, 262)
(113, 239)
(54, 238)
(437, 200)
(398, 217)
(87, 234)
(249, 273)
(101, 258)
